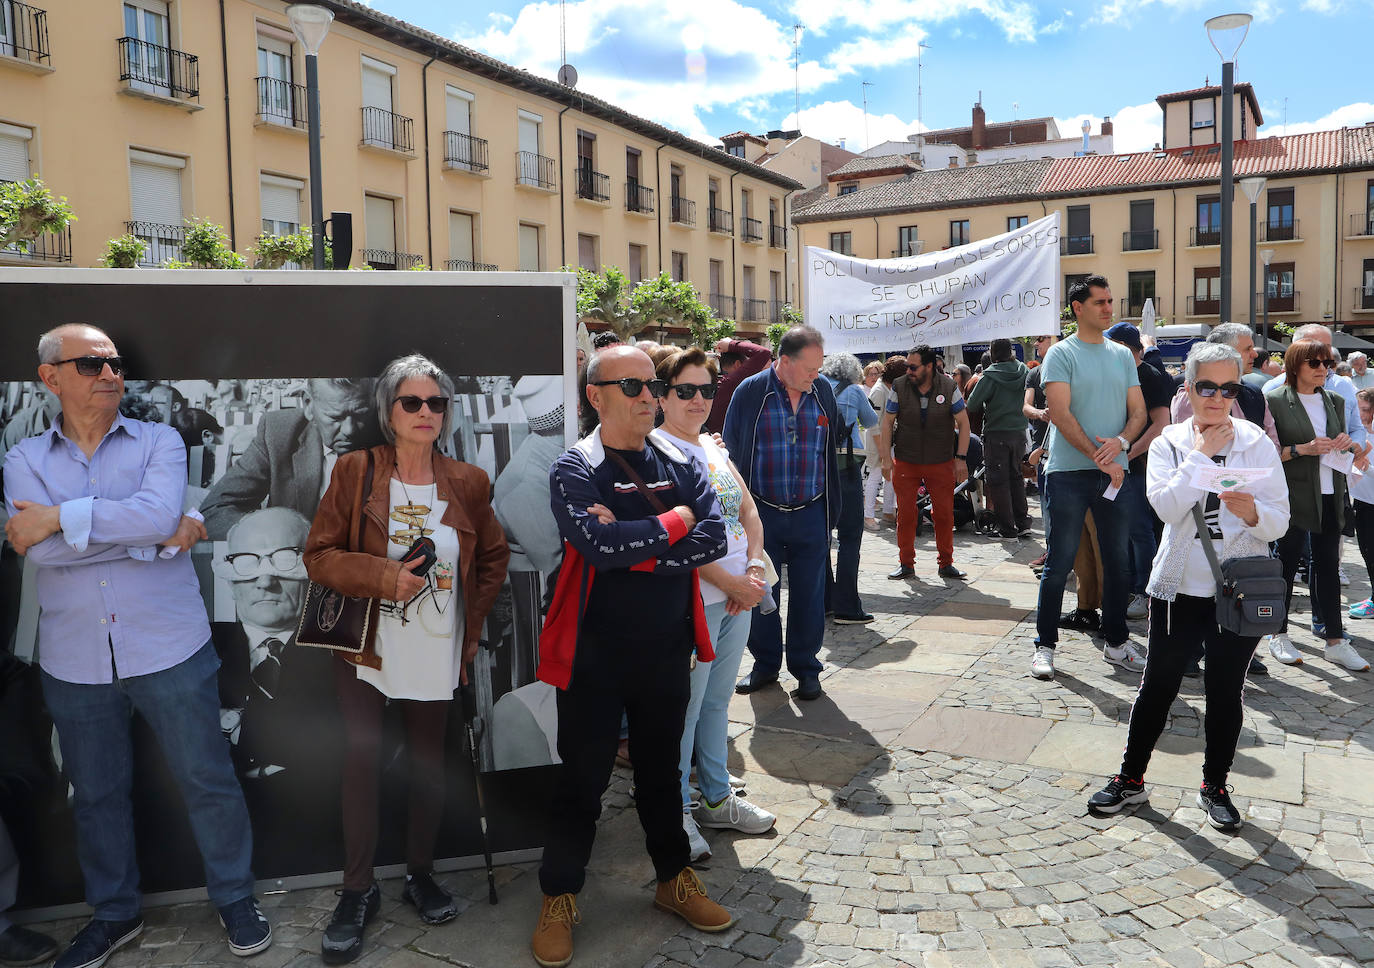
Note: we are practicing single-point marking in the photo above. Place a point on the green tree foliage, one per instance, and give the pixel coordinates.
(276, 251)
(28, 210)
(775, 332)
(608, 297)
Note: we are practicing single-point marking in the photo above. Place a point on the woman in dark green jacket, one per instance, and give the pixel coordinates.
(1311, 424)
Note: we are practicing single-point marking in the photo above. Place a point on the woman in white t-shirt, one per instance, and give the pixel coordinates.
(730, 588)
(894, 367)
(425, 636)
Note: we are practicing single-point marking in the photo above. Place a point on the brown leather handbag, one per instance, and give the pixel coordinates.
(330, 619)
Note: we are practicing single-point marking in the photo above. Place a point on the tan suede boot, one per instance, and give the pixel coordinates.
(685, 896)
(552, 943)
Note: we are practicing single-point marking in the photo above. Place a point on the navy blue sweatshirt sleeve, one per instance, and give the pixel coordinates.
(621, 544)
(706, 541)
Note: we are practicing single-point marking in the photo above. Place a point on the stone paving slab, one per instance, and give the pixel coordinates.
(1347, 779)
(972, 732)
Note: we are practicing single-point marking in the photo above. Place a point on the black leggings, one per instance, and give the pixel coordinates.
(1323, 576)
(1177, 629)
(1364, 533)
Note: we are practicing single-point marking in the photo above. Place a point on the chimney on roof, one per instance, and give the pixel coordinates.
(1107, 126)
(971, 158)
(954, 161)
(980, 124)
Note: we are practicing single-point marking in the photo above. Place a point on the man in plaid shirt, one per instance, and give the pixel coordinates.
(783, 430)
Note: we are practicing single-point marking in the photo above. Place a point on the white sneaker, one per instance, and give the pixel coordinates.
(1042, 663)
(697, 847)
(736, 782)
(1125, 655)
(1345, 656)
(871, 524)
(1138, 607)
(1281, 648)
(1345, 579)
(736, 813)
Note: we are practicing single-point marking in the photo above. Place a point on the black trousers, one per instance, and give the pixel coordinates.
(646, 678)
(1177, 630)
(1324, 579)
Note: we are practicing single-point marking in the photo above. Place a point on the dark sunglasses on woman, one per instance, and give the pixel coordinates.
(411, 404)
(633, 386)
(94, 365)
(686, 391)
(1228, 391)
(1315, 363)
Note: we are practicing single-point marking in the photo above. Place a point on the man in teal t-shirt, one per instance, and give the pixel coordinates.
(1096, 410)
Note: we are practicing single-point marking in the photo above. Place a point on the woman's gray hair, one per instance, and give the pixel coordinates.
(843, 368)
(1203, 353)
(412, 367)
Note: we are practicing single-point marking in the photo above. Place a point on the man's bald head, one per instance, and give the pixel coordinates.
(268, 529)
(625, 420)
(50, 343)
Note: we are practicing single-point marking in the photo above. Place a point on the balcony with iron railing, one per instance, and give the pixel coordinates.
(720, 221)
(535, 171)
(24, 36)
(684, 211)
(777, 236)
(1364, 299)
(1279, 230)
(156, 72)
(1200, 235)
(463, 265)
(49, 247)
(755, 310)
(723, 305)
(1076, 245)
(388, 130)
(639, 199)
(908, 249)
(775, 308)
(282, 103)
(1281, 301)
(162, 242)
(1133, 310)
(593, 186)
(386, 259)
(751, 229)
(1204, 307)
(1362, 225)
(463, 152)
(1139, 240)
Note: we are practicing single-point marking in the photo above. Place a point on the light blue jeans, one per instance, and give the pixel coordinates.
(708, 710)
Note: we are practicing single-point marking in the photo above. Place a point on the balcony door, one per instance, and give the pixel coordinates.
(379, 219)
(275, 103)
(458, 124)
(528, 145)
(7, 38)
(147, 25)
(460, 247)
(155, 203)
(378, 120)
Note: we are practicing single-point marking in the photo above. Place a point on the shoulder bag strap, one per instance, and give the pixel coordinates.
(638, 482)
(1205, 537)
(362, 501)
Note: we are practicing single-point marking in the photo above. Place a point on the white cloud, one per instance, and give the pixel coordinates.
(1350, 116)
(1120, 11)
(834, 121)
(1015, 18)
(1137, 127)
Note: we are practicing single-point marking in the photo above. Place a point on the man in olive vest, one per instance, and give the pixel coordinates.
(931, 445)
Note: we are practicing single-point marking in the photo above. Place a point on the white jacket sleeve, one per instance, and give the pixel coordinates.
(1167, 484)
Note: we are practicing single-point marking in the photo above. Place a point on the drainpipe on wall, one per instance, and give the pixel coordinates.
(658, 187)
(228, 136)
(739, 227)
(877, 247)
(1173, 272)
(786, 276)
(1336, 221)
(562, 196)
(429, 207)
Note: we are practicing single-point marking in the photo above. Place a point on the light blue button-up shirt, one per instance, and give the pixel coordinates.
(109, 606)
(1343, 388)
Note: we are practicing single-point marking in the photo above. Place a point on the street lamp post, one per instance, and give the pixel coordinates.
(1252, 188)
(1227, 33)
(310, 24)
(1267, 255)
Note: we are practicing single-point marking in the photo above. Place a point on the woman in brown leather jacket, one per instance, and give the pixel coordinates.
(425, 636)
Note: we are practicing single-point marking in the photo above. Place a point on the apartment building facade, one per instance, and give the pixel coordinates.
(1151, 221)
(145, 113)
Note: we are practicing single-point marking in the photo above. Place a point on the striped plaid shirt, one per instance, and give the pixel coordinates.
(789, 449)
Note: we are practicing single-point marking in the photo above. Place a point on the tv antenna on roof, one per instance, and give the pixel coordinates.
(867, 144)
(796, 74)
(920, 49)
(567, 74)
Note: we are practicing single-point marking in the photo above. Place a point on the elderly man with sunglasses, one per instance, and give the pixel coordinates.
(123, 628)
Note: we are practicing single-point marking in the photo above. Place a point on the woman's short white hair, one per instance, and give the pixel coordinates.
(406, 368)
(1204, 353)
(843, 368)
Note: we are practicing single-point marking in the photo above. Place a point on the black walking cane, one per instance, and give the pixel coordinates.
(468, 699)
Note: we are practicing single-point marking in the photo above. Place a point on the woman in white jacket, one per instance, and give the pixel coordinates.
(1182, 587)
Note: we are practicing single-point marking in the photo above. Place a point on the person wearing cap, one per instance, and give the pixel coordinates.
(1158, 390)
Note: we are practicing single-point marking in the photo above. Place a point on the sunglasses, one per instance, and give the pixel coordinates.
(411, 404)
(686, 391)
(913, 367)
(633, 386)
(95, 365)
(1317, 363)
(1228, 391)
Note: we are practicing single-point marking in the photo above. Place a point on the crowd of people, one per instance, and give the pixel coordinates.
(698, 479)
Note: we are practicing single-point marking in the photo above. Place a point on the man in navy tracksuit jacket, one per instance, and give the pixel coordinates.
(625, 620)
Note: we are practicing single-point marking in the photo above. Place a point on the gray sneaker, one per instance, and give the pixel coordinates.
(1138, 607)
(1042, 663)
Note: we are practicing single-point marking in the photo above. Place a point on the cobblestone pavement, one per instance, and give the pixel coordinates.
(931, 813)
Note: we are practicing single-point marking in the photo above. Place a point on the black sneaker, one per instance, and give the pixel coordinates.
(433, 903)
(1221, 812)
(1118, 792)
(1258, 668)
(20, 946)
(343, 939)
(99, 939)
(860, 618)
(246, 927)
(1082, 619)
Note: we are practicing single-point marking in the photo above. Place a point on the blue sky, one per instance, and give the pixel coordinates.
(709, 67)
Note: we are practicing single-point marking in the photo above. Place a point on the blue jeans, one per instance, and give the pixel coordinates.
(842, 592)
(1141, 530)
(708, 709)
(94, 727)
(799, 541)
(1069, 495)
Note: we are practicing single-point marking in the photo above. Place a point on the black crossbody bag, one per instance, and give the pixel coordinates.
(1251, 593)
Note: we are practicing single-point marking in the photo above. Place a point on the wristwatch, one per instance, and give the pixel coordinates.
(1125, 444)
(756, 563)
(962, 457)
(1293, 451)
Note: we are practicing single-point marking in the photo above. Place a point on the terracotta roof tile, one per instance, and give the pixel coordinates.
(936, 188)
(859, 166)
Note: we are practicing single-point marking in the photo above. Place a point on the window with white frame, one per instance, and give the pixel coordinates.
(379, 220)
(281, 204)
(155, 204)
(462, 247)
(276, 90)
(14, 152)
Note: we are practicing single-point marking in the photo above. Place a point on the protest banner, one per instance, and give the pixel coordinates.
(1008, 285)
